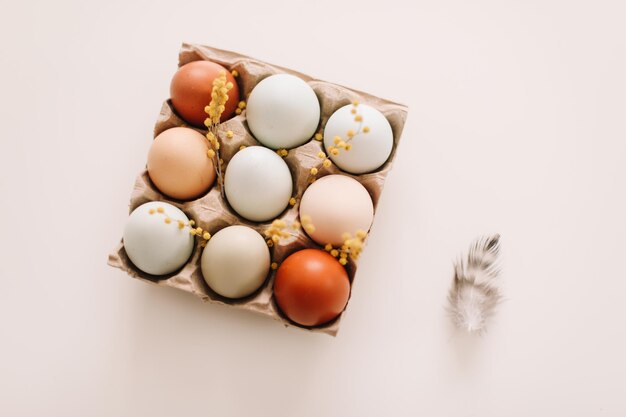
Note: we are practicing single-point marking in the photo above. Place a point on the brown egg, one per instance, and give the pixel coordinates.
(191, 88)
(311, 287)
(178, 163)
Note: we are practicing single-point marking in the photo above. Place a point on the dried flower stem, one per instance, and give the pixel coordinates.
(352, 247)
(339, 142)
(193, 231)
(219, 97)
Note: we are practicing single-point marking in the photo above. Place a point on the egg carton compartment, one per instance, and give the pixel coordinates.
(212, 212)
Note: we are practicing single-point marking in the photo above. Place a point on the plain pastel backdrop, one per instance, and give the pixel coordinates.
(516, 126)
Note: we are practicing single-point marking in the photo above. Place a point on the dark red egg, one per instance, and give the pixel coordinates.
(191, 89)
(311, 287)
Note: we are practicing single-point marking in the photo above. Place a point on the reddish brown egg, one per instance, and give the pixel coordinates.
(191, 88)
(311, 287)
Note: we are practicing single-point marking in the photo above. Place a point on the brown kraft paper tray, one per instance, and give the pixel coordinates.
(212, 212)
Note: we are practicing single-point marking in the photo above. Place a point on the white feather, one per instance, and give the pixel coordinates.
(475, 291)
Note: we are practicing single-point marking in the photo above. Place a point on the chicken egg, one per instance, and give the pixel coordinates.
(154, 240)
(178, 164)
(369, 151)
(257, 183)
(311, 287)
(336, 204)
(235, 261)
(283, 111)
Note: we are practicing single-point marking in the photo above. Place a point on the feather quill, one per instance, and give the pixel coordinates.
(475, 291)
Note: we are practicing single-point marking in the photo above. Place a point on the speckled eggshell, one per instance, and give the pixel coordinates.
(235, 262)
(369, 151)
(154, 246)
(257, 183)
(178, 164)
(283, 111)
(336, 204)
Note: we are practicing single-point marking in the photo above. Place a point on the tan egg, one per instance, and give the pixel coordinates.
(178, 164)
(336, 204)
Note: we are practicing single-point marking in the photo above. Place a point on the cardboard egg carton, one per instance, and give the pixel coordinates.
(212, 212)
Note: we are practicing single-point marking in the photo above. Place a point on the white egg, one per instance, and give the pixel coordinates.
(235, 262)
(369, 150)
(153, 240)
(283, 111)
(257, 183)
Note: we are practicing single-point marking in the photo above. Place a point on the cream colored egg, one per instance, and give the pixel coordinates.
(153, 240)
(283, 111)
(257, 183)
(336, 204)
(235, 262)
(369, 151)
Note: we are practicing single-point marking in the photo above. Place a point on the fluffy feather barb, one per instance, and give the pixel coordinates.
(475, 291)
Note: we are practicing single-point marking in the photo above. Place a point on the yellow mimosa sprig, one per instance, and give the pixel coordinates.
(219, 97)
(190, 225)
(339, 142)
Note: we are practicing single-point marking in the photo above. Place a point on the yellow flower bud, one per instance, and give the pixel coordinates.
(160, 209)
(235, 73)
(292, 201)
(334, 253)
(327, 163)
(229, 134)
(238, 111)
(328, 247)
(336, 139)
(210, 153)
(366, 129)
(168, 220)
(274, 265)
(318, 136)
(321, 155)
(361, 234)
(241, 104)
(151, 211)
(313, 171)
(358, 118)
(343, 261)
(206, 236)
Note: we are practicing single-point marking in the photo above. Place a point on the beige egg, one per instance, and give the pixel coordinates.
(336, 204)
(178, 164)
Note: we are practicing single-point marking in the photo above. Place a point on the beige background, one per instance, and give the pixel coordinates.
(516, 125)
